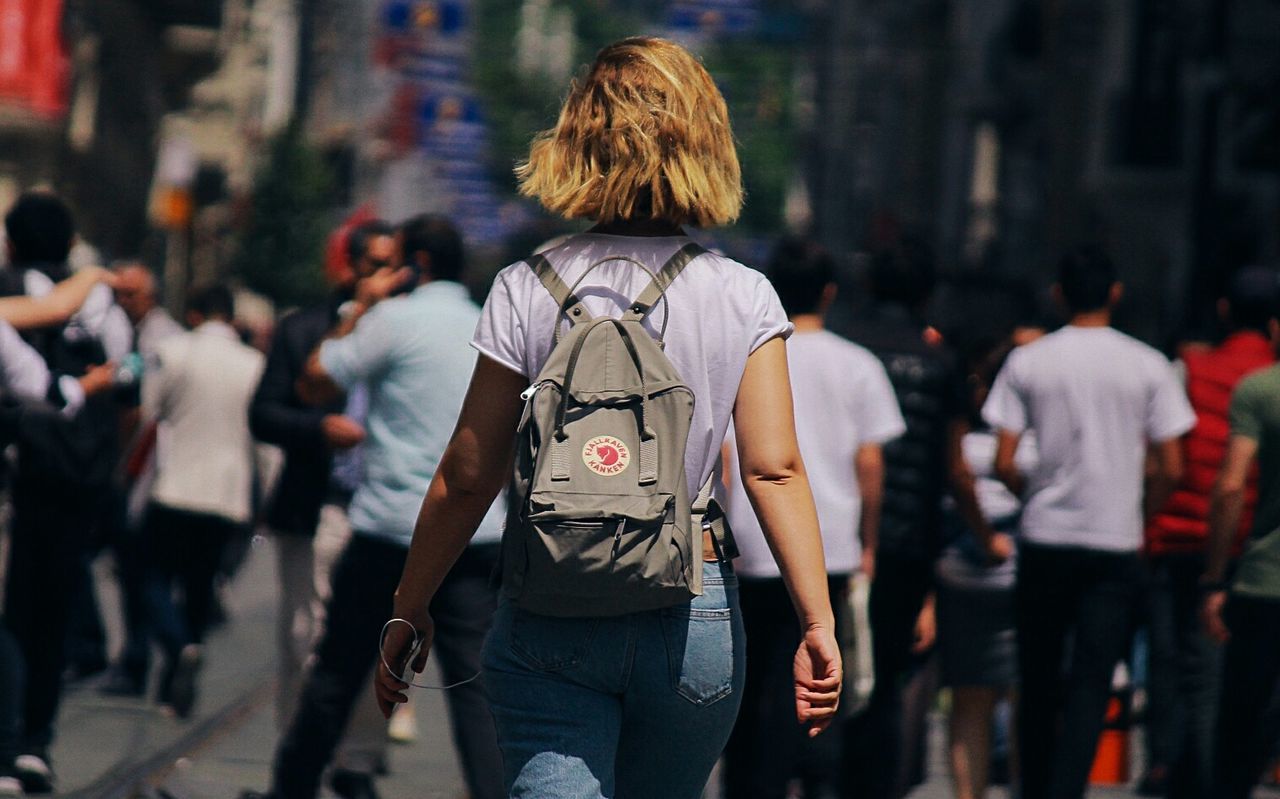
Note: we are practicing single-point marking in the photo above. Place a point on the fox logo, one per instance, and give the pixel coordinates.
(606, 456)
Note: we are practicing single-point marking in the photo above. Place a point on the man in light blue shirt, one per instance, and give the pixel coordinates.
(413, 354)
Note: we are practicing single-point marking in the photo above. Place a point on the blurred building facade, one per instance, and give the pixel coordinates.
(1007, 130)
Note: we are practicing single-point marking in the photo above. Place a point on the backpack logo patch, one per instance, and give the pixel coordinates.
(606, 456)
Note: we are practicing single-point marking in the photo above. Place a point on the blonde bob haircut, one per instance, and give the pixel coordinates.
(644, 135)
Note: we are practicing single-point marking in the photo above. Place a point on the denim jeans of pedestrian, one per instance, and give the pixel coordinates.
(11, 685)
(1075, 613)
(632, 706)
(364, 584)
(769, 747)
(1183, 682)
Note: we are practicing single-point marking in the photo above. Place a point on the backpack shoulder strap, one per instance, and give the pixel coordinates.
(566, 301)
(665, 276)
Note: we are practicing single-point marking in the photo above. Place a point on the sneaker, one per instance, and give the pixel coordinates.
(10, 786)
(182, 688)
(352, 784)
(34, 772)
(403, 728)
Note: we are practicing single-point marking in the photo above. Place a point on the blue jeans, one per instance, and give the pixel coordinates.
(630, 706)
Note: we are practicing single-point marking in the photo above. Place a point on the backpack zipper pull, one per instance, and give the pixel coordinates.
(617, 537)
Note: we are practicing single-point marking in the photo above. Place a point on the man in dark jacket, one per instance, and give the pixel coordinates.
(308, 510)
(51, 536)
(929, 390)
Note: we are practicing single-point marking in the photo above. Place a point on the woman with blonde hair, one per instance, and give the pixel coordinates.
(638, 704)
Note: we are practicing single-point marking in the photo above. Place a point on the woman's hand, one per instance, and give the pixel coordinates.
(818, 677)
(396, 645)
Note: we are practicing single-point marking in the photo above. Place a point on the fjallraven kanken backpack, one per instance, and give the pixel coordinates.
(601, 521)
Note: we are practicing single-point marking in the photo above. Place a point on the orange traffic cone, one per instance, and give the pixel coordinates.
(1111, 762)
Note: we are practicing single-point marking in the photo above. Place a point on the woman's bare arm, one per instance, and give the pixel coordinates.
(56, 307)
(470, 475)
(775, 481)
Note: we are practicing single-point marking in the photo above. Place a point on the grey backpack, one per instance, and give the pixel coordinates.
(600, 521)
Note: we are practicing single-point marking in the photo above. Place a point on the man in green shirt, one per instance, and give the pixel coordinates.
(1244, 611)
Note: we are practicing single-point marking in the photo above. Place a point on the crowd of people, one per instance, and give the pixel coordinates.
(1018, 508)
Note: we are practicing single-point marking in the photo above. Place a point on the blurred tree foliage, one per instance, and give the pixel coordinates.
(281, 250)
(756, 73)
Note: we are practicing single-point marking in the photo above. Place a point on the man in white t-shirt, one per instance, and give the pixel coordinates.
(1097, 401)
(845, 409)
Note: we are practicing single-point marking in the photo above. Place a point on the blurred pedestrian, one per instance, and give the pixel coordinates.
(930, 390)
(1183, 679)
(199, 389)
(977, 641)
(1096, 400)
(411, 352)
(845, 412)
(592, 703)
(135, 288)
(150, 323)
(1242, 609)
(52, 538)
(307, 513)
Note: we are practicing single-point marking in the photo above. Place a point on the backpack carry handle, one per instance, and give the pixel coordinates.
(567, 304)
(570, 305)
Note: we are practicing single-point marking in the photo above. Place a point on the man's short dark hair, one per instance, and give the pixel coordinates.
(362, 234)
(1252, 296)
(1086, 275)
(437, 237)
(213, 301)
(904, 273)
(799, 271)
(40, 228)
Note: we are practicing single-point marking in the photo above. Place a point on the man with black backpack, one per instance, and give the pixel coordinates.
(71, 457)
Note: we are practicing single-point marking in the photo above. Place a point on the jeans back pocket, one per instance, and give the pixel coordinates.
(704, 651)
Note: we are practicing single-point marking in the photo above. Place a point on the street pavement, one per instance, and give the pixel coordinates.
(122, 748)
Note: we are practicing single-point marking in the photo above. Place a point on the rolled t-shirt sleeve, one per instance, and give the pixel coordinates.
(1244, 415)
(881, 418)
(360, 355)
(500, 332)
(1169, 412)
(771, 319)
(1006, 405)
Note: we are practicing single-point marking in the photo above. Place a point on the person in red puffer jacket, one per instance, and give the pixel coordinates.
(1184, 672)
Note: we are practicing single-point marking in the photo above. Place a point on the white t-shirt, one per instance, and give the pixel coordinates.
(721, 311)
(843, 400)
(1095, 398)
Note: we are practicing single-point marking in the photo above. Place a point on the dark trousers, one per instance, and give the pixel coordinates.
(1184, 674)
(86, 636)
(130, 550)
(1075, 613)
(768, 746)
(1247, 732)
(51, 525)
(363, 587)
(11, 682)
(184, 550)
(873, 750)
